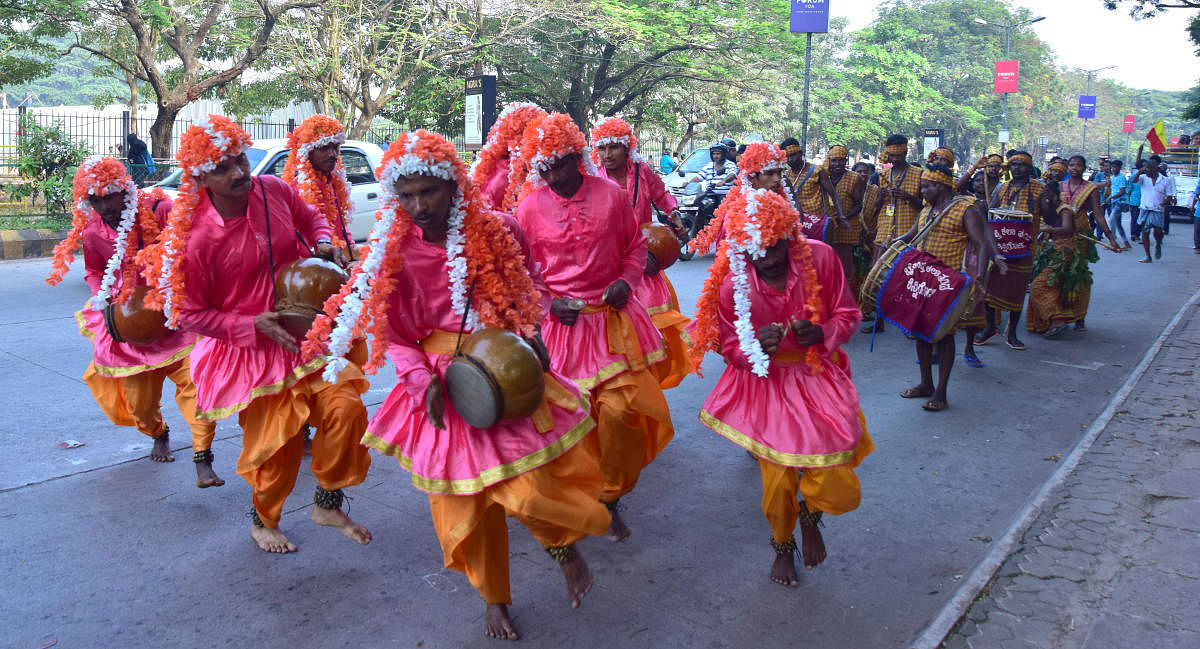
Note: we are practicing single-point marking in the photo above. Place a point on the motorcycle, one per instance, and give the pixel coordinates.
(700, 201)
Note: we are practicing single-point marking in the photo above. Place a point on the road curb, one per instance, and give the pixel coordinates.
(936, 632)
(24, 244)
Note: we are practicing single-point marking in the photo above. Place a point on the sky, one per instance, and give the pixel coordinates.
(1085, 35)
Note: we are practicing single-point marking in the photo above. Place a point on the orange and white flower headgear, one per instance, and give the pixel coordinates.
(203, 146)
(756, 220)
(95, 178)
(332, 198)
(480, 252)
(614, 130)
(504, 142)
(545, 142)
(758, 157)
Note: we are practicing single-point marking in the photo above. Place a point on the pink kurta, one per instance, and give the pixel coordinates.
(111, 358)
(793, 416)
(229, 280)
(585, 243)
(647, 190)
(458, 459)
(496, 184)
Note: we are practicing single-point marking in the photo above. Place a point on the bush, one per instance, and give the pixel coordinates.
(46, 159)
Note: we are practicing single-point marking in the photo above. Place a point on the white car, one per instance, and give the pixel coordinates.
(360, 158)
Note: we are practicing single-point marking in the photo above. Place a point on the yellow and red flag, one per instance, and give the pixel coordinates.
(1157, 137)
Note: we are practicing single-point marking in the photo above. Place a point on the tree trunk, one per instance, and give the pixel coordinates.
(687, 137)
(162, 131)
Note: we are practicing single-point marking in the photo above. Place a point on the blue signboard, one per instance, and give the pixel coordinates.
(1087, 106)
(810, 16)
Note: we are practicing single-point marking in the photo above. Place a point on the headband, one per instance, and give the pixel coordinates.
(838, 151)
(938, 176)
(999, 158)
(793, 148)
(944, 152)
(1056, 165)
(897, 149)
(1021, 157)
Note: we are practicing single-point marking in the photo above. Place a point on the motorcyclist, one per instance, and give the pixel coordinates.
(720, 173)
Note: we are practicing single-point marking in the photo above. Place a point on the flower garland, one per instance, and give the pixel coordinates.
(504, 142)
(756, 221)
(202, 147)
(126, 239)
(316, 132)
(480, 250)
(545, 142)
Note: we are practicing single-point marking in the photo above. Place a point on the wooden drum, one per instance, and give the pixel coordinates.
(663, 243)
(879, 272)
(133, 322)
(495, 376)
(1013, 231)
(301, 289)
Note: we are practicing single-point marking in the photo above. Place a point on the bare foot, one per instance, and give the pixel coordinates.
(812, 546)
(618, 531)
(783, 571)
(496, 623)
(337, 518)
(161, 451)
(918, 391)
(206, 477)
(270, 539)
(579, 578)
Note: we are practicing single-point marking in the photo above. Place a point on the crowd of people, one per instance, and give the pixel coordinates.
(541, 249)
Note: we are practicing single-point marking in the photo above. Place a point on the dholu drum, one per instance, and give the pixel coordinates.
(663, 243)
(1013, 231)
(494, 376)
(301, 289)
(133, 322)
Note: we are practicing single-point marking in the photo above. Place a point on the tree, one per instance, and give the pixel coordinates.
(181, 48)
(1144, 9)
(26, 49)
(359, 58)
(607, 65)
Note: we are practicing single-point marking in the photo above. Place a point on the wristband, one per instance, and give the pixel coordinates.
(321, 241)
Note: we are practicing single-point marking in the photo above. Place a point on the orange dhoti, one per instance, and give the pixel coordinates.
(273, 446)
(831, 490)
(658, 295)
(633, 425)
(556, 501)
(133, 400)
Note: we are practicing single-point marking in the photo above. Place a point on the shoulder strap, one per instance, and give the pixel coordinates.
(928, 229)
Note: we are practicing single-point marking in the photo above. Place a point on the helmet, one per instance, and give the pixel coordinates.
(730, 145)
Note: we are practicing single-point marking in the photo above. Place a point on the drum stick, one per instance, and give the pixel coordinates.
(1102, 243)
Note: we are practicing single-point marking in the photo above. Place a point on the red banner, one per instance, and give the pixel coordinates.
(1129, 124)
(814, 226)
(920, 293)
(1014, 238)
(1006, 76)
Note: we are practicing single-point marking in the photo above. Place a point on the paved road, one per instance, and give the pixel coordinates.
(104, 549)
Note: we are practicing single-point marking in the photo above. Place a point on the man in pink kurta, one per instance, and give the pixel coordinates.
(592, 253)
(236, 233)
(127, 379)
(615, 149)
(786, 395)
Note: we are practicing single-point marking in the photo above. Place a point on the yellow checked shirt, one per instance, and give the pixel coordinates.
(896, 217)
(948, 241)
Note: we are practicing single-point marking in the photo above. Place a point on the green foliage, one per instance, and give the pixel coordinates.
(27, 40)
(46, 161)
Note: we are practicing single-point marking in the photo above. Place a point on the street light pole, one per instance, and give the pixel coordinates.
(1083, 150)
(1008, 29)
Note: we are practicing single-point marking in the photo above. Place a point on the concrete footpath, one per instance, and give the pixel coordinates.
(1111, 560)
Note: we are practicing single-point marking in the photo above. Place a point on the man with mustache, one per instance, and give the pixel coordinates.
(215, 267)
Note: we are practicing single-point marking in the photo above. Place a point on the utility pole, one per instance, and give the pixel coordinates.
(1008, 30)
(804, 113)
(1083, 150)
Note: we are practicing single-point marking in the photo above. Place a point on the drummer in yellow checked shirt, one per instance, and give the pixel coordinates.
(900, 186)
(959, 223)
